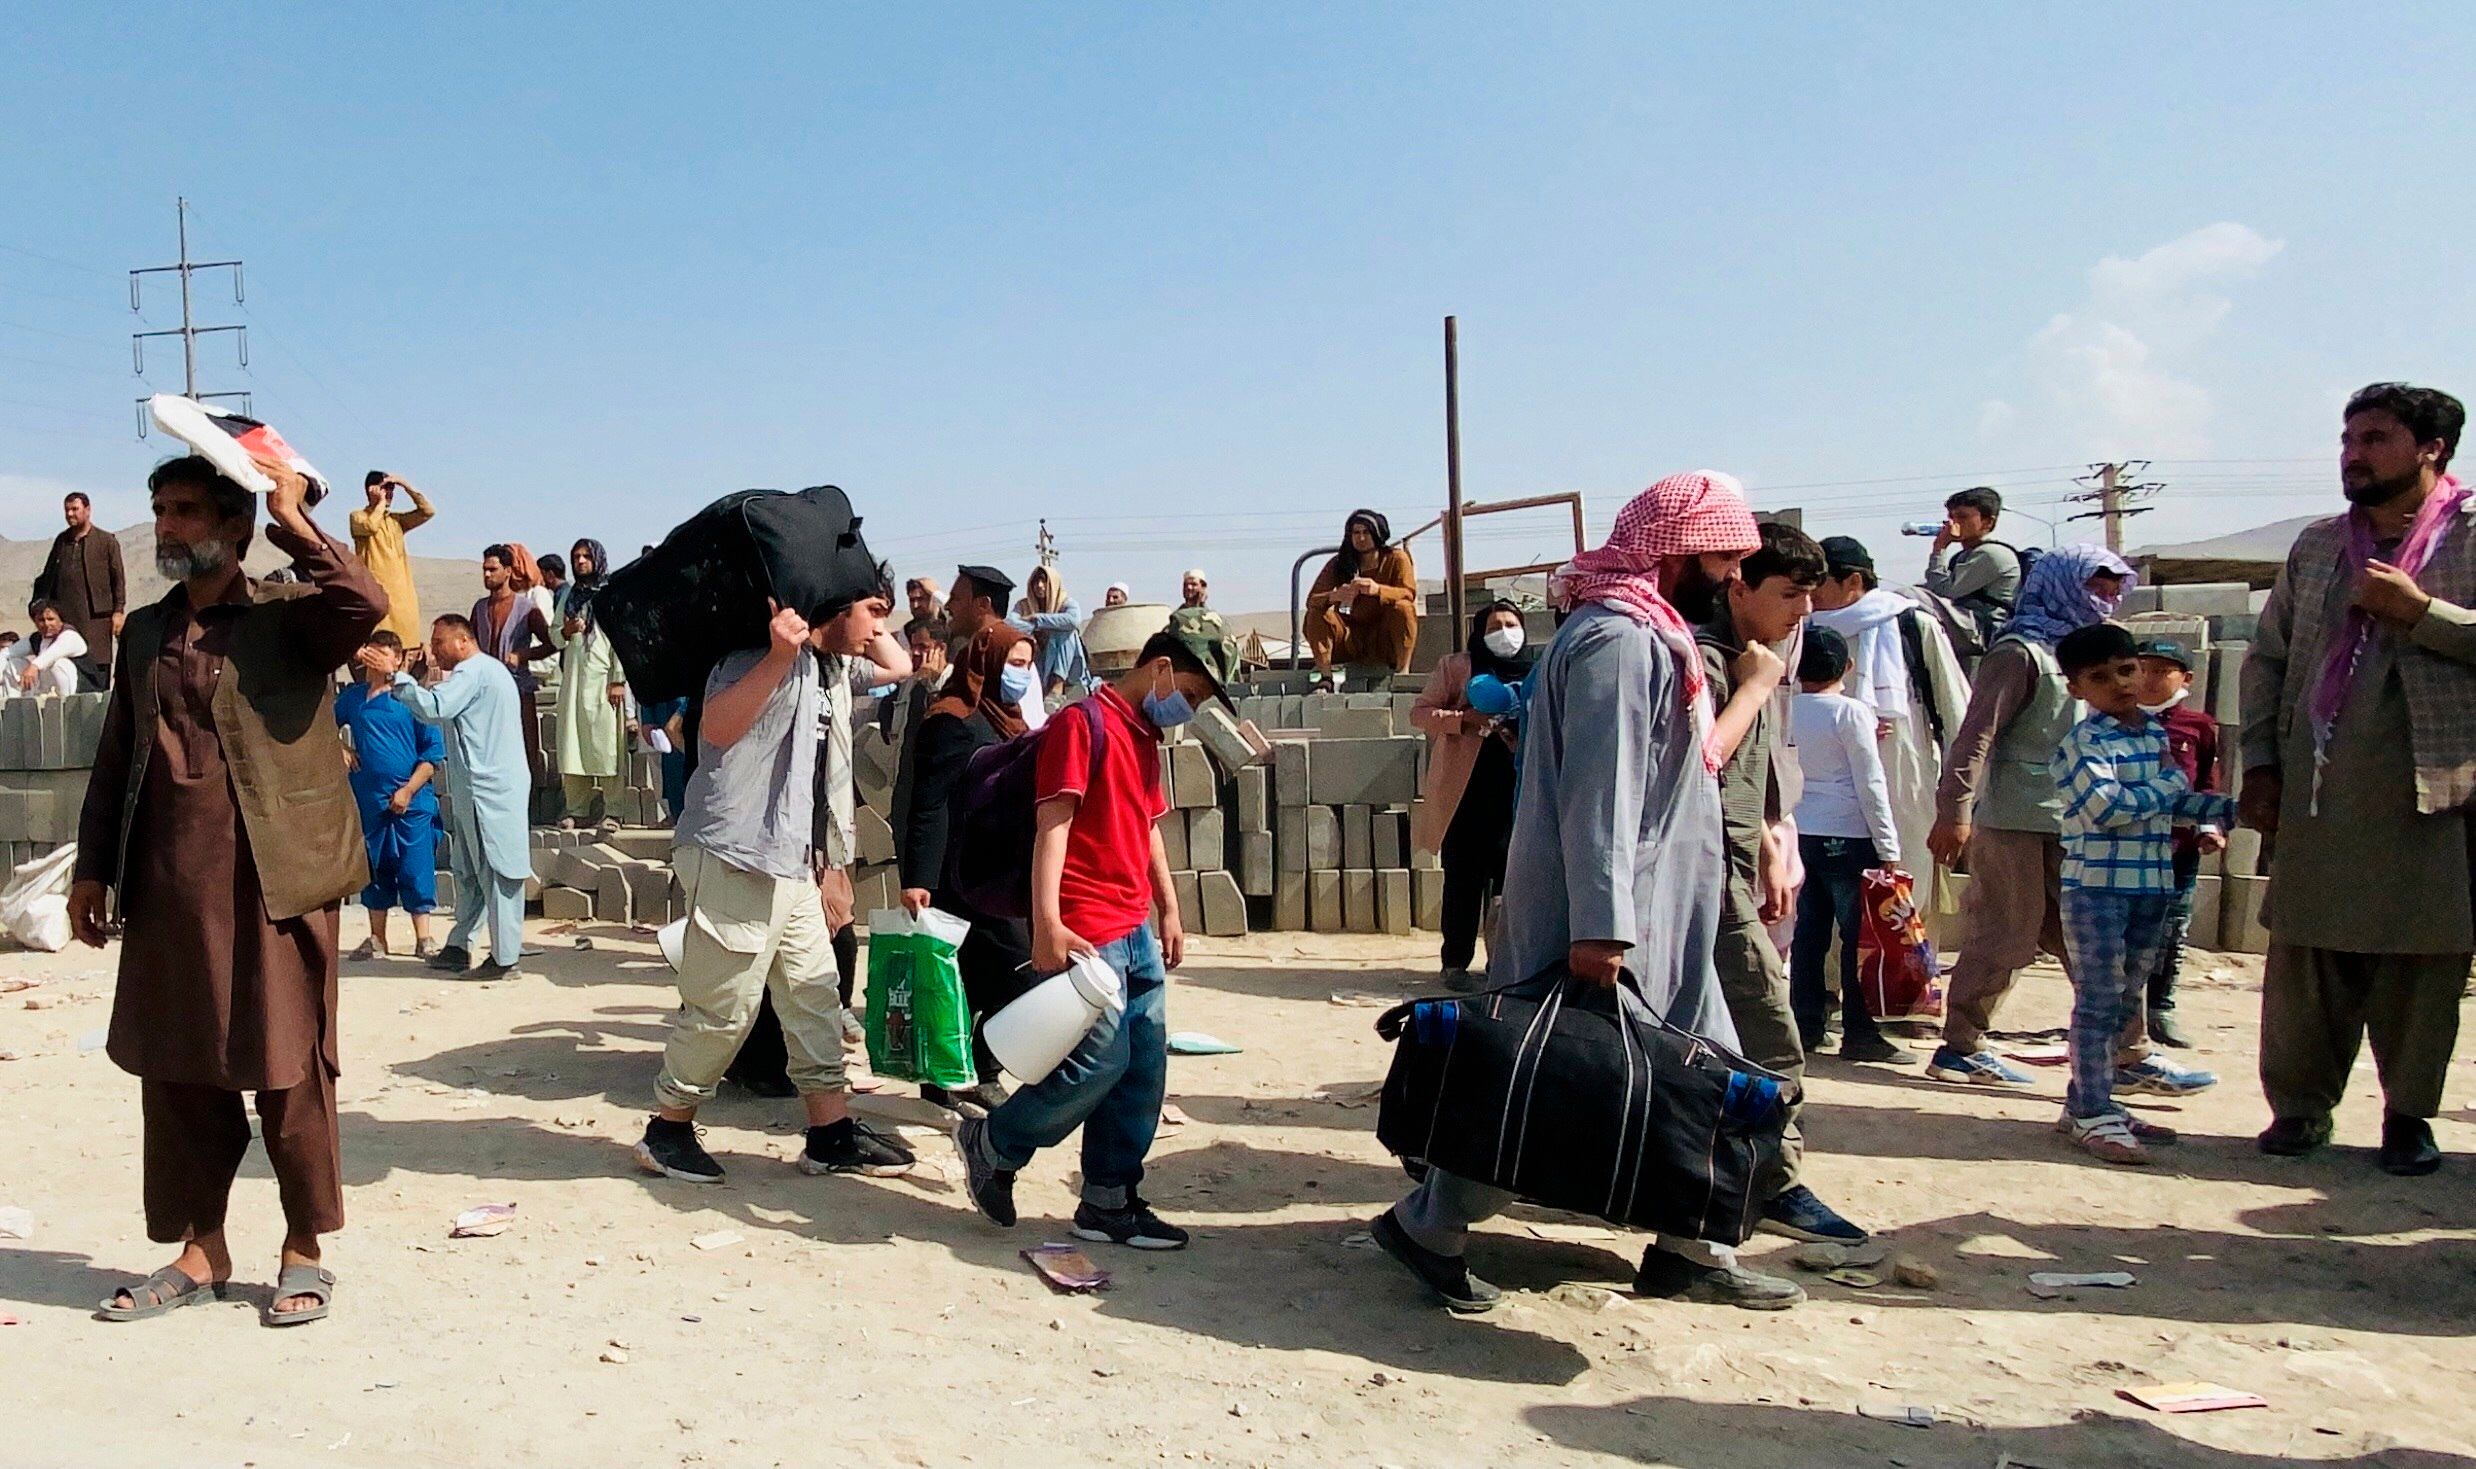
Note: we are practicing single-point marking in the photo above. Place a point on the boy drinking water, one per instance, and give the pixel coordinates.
(2121, 799)
(2192, 747)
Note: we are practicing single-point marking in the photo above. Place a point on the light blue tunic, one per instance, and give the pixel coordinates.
(488, 785)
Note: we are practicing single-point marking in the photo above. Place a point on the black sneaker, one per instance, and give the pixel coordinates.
(1134, 1226)
(2167, 1031)
(2294, 1137)
(961, 1104)
(1873, 1048)
(1463, 1293)
(455, 959)
(991, 1189)
(671, 1149)
(2407, 1147)
(852, 1146)
(1671, 1277)
(1796, 1213)
(496, 970)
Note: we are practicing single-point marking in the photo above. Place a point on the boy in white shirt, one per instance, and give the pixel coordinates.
(1844, 828)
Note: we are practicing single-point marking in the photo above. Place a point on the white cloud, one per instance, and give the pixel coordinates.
(2111, 376)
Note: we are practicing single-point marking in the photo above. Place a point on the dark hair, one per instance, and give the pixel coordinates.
(1825, 656)
(882, 589)
(231, 502)
(2085, 648)
(2429, 413)
(1785, 551)
(551, 563)
(934, 627)
(501, 552)
(373, 479)
(457, 621)
(1165, 644)
(1981, 498)
(385, 638)
(77, 497)
(967, 588)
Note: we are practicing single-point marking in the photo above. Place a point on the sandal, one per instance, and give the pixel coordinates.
(2107, 1137)
(368, 951)
(167, 1289)
(314, 1281)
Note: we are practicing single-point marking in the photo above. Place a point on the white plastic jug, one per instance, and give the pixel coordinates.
(1032, 1035)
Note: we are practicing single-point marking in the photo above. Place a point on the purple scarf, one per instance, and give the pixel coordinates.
(2355, 634)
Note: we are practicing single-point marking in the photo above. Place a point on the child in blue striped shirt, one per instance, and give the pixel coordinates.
(2121, 801)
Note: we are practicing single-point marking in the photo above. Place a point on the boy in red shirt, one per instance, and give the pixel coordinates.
(1098, 871)
(2192, 747)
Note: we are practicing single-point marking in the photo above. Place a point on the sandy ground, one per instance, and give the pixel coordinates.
(882, 1322)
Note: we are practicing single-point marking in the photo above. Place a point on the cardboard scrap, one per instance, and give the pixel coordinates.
(2190, 1397)
(482, 1221)
(2048, 1284)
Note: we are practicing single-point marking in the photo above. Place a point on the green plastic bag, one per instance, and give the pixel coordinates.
(919, 1024)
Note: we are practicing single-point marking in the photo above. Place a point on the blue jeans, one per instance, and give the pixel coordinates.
(1110, 1085)
(2115, 939)
(1831, 896)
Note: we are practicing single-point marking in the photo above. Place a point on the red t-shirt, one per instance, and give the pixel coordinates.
(1106, 892)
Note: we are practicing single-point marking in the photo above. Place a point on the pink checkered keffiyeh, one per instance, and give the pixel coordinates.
(1691, 514)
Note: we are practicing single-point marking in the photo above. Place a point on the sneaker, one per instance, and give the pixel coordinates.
(1977, 1068)
(455, 959)
(2158, 1078)
(2407, 1147)
(1448, 1276)
(853, 1146)
(1134, 1226)
(1796, 1213)
(991, 1188)
(1667, 1276)
(2108, 1138)
(672, 1150)
(367, 951)
(2293, 1137)
(1874, 1048)
(961, 1104)
(1461, 981)
(2167, 1031)
(2147, 1132)
(496, 970)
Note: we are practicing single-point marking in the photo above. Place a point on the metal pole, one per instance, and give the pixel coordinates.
(189, 336)
(1453, 590)
(1298, 644)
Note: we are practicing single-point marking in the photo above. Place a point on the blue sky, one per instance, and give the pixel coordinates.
(1174, 276)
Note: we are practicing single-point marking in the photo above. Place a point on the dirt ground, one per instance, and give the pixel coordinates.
(883, 1322)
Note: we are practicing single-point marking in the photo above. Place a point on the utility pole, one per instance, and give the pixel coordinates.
(1044, 545)
(2112, 488)
(189, 331)
(1454, 592)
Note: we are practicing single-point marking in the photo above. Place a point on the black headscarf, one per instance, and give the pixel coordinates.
(1484, 659)
(580, 588)
(1345, 567)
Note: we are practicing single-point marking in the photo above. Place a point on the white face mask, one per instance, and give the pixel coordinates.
(1504, 642)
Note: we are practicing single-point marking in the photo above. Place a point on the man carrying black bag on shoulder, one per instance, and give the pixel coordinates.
(1617, 859)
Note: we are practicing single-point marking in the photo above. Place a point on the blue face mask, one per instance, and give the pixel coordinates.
(1168, 710)
(1015, 684)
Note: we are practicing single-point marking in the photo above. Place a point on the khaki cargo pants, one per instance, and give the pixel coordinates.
(747, 933)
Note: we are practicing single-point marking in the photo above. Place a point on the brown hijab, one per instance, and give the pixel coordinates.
(974, 684)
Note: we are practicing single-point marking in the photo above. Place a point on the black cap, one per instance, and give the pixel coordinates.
(2172, 650)
(1845, 554)
(992, 582)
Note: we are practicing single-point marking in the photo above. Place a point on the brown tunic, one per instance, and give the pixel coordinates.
(85, 577)
(212, 991)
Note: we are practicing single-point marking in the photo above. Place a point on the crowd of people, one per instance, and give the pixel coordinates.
(1731, 728)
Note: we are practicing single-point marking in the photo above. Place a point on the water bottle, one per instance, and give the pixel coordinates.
(1921, 528)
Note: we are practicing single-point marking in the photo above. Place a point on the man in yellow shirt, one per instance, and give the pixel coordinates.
(378, 539)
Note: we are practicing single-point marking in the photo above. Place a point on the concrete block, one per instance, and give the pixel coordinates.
(1289, 839)
(1324, 910)
(1190, 898)
(2207, 599)
(2234, 629)
(1289, 772)
(85, 716)
(576, 867)
(1364, 772)
(1427, 899)
(2240, 930)
(1224, 908)
(1393, 901)
(1207, 842)
(1255, 864)
(1402, 705)
(649, 892)
(645, 844)
(1254, 799)
(21, 745)
(1356, 724)
(876, 838)
(1323, 839)
(1172, 828)
(610, 897)
(1358, 900)
(2227, 686)
(875, 889)
(2243, 855)
(562, 903)
(1289, 901)
(51, 718)
(533, 890)
(446, 894)
(2205, 912)
(1357, 837)
(1293, 713)
(1366, 701)
(1196, 785)
(1392, 840)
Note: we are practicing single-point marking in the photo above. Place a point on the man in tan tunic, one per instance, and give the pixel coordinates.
(2359, 748)
(220, 811)
(378, 539)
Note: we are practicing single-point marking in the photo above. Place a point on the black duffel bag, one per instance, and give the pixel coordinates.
(673, 612)
(1578, 1097)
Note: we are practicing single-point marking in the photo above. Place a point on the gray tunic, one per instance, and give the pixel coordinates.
(1616, 832)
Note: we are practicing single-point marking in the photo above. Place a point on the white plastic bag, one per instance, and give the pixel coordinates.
(34, 906)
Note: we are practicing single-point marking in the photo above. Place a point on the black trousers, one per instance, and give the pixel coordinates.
(1474, 852)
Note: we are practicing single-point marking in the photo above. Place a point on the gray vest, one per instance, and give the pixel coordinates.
(2021, 794)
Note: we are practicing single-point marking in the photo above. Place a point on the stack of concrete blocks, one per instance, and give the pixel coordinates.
(1204, 833)
(637, 802)
(47, 749)
(1339, 810)
(875, 880)
(608, 877)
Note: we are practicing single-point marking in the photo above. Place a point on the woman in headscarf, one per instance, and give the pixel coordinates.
(1056, 624)
(1467, 808)
(981, 705)
(1363, 612)
(593, 696)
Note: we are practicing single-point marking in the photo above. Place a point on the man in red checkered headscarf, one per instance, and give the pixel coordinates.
(1618, 858)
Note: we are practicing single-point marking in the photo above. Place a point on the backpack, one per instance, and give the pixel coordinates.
(989, 836)
(1921, 679)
